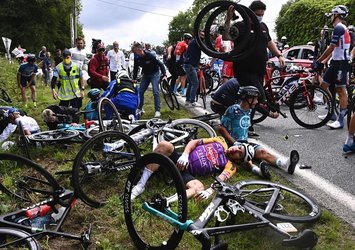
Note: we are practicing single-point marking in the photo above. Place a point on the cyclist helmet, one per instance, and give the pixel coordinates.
(283, 38)
(94, 93)
(122, 74)
(249, 152)
(248, 92)
(31, 58)
(341, 10)
(351, 28)
(187, 36)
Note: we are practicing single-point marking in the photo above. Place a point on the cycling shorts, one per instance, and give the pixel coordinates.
(185, 174)
(24, 81)
(337, 74)
(227, 70)
(251, 79)
(180, 70)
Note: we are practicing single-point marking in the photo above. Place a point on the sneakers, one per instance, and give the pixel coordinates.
(347, 148)
(183, 92)
(196, 104)
(335, 125)
(136, 191)
(264, 168)
(188, 104)
(333, 118)
(294, 158)
(176, 93)
(157, 114)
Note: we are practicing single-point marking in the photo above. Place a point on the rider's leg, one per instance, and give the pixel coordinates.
(33, 94)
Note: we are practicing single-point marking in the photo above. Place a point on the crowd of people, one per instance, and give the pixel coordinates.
(242, 80)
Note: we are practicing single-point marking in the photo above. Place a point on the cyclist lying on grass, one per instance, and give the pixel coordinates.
(70, 116)
(201, 157)
(234, 128)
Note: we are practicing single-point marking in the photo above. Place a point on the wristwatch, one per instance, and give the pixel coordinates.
(279, 56)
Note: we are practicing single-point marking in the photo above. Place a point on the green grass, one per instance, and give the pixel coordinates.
(109, 230)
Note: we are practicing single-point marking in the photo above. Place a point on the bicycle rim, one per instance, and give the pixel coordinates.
(8, 235)
(53, 135)
(290, 205)
(197, 129)
(109, 117)
(163, 184)
(100, 168)
(313, 115)
(25, 180)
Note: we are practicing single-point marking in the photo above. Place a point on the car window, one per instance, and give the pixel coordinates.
(292, 54)
(307, 54)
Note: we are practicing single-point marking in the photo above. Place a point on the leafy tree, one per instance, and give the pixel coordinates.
(300, 20)
(38, 22)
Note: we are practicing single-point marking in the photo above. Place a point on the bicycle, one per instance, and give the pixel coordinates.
(157, 218)
(202, 89)
(4, 96)
(300, 96)
(32, 189)
(169, 95)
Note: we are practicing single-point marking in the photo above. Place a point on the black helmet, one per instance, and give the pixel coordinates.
(66, 52)
(31, 58)
(187, 36)
(248, 91)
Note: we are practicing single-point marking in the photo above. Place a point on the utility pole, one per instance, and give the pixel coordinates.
(75, 21)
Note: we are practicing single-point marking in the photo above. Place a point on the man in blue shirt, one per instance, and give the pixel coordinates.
(150, 74)
(26, 78)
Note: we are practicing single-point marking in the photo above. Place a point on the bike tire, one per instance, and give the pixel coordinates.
(5, 96)
(25, 180)
(8, 235)
(24, 140)
(164, 183)
(109, 117)
(166, 91)
(197, 130)
(57, 135)
(257, 195)
(308, 117)
(175, 101)
(259, 116)
(209, 81)
(100, 167)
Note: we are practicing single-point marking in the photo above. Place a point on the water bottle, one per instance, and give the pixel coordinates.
(38, 211)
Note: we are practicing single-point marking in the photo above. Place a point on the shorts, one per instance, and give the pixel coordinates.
(75, 103)
(251, 79)
(24, 81)
(186, 175)
(180, 70)
(227, 70)
(337, 74)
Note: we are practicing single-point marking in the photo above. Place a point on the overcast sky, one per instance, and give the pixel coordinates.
(144, 20)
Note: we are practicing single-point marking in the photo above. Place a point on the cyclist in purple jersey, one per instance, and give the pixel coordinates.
(338, 73)
(201, 157)
(234, 128)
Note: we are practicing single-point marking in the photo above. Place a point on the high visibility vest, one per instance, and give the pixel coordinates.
(69, 85)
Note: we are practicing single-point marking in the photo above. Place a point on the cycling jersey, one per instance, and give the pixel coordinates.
(180, 49)
(237, 122)
(209, 157)
(341, 40)
(27, 70)
(28, 123)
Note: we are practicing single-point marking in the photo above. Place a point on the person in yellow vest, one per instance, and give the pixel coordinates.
(69, 79)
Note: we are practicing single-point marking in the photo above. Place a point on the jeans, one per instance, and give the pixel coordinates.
(145, 81)
(191, 73)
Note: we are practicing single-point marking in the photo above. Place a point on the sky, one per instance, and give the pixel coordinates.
(126, 21)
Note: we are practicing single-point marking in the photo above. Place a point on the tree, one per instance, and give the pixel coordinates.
(38, 22)
(300, 20)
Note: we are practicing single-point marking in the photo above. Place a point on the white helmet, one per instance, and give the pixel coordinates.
(310, 43)
(249, 152)
(283, 38)
(122, 74)
(286, 46)
(341, 10)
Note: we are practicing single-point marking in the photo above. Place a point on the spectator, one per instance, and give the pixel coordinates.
(172, 67)
(58, 58)
(191, 63)
(150, 74)
(26, 78)
(79, 54)
(116, 60)
(98, 69)
(250, 70)
(42, 58)
(46, 68)
(71, 85)
(180, 49)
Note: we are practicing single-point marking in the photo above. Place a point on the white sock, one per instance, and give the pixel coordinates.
(145, 176)
(283, 162)
(256, 170)
(349, 139)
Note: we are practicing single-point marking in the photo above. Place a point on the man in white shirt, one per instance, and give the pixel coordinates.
(116, 60)
(79, 55)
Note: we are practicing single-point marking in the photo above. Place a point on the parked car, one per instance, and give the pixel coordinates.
(300, 55)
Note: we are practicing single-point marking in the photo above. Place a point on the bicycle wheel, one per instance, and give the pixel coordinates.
(9, 235)
(53, 135)
(99, 167)
(24, 141)
(5, 96)
(196, 129)
(209, 81)
(259, 194)
(306, 111)
(166, 91)
(25, 180)
(109, 117)
(162, 186)
(175, 101)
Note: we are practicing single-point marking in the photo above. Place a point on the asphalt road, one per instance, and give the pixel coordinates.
(331, 179)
